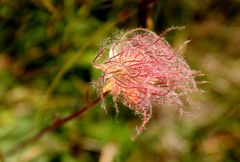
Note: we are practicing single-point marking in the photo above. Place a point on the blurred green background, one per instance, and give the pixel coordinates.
(46, 53)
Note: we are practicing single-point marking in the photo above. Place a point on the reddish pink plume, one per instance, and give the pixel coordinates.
(142, 71)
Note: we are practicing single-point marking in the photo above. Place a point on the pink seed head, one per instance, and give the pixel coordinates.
(142, 71)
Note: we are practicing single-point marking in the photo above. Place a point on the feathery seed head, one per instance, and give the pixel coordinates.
(143, 70)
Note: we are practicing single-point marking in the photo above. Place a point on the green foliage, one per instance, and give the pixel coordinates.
(46, 53)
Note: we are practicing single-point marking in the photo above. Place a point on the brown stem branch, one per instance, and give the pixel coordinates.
(57, 123)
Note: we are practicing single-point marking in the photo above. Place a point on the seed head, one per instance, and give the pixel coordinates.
(142, 70)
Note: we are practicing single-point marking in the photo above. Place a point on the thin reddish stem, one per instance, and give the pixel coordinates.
(56, 124)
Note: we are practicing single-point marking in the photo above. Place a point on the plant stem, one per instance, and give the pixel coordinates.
(57, 123)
